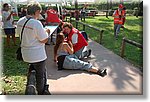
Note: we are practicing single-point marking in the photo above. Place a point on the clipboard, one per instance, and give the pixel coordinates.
(52, 29)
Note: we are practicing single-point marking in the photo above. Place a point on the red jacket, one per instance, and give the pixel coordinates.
(118, 19)
(52, 16)
(81, 41)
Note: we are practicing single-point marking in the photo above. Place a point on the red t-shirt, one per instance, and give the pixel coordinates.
(52, 16)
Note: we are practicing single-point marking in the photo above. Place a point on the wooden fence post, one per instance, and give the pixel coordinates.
(122, 47)
(101, 35)
(70, 20)
(83, 27)
(76, 24)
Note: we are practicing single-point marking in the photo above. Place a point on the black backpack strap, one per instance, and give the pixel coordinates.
(23, 28)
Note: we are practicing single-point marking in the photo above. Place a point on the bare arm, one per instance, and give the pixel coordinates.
(69, 48)
(44, 41)
(55, 57)
(115, 15)
(70, 44)
(8, 18)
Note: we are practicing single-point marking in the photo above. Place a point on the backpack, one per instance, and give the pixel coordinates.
(84, 35)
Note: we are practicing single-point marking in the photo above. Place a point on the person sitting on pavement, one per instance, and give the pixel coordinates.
(78, 41)
(63, 55)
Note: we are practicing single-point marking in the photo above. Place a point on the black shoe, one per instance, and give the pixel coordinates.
(102, 73)
(46, 91)
(89, 52)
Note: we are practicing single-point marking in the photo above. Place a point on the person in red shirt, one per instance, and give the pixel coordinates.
(118, 20)
(63, 55)
(124, 17)
(77, 39)
(52, 16)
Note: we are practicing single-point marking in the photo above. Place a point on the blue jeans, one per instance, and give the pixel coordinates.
(72, 62)
(83, 52)
(117, 29)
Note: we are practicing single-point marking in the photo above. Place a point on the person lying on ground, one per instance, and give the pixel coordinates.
(63, 55)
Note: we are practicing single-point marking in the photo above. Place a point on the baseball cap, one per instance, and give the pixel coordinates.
(120, 6)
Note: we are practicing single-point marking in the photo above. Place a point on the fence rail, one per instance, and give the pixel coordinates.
(90, 26)
(124, 41)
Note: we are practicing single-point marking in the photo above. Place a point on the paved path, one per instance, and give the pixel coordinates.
(122, 78)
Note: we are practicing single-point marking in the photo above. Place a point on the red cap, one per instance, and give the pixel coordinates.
(120, 6)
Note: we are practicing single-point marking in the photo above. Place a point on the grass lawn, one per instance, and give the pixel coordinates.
(14, 71)
(133, 31)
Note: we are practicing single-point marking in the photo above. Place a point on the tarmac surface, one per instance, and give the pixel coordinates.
(122, 77)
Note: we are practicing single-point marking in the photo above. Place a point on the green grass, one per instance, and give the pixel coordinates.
(14, 71)
(133, 31)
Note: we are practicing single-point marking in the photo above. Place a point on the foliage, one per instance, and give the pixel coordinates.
(14, 71)
(132, 31)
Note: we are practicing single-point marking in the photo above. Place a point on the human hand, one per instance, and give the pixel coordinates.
(11, 12)
(70, 43)
(48, 31)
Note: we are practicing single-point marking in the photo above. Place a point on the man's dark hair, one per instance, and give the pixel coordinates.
(32, 8)
(69, 25)
(4, 5)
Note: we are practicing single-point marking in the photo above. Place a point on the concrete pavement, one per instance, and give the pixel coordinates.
(122, 78)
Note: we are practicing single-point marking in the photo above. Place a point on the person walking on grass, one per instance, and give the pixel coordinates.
(83, 12)
(124, 17)
(63, 55)
(7, 19)
(33, 41)
(118, 20)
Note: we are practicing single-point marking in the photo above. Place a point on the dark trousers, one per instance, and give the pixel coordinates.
(82, 16)
(41, 75)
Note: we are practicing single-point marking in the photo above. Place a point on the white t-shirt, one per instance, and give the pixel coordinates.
(32, 49)
(7, 23)
(75, 38)
(114, 12)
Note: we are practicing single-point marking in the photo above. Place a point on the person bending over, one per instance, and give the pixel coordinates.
(79, 42)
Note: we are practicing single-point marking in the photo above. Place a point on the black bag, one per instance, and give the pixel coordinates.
(84, 35)
(18, 52)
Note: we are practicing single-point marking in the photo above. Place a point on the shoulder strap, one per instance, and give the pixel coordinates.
(23, 27)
